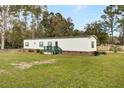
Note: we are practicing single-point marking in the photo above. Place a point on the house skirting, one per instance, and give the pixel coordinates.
(90, 53)
(30, 50)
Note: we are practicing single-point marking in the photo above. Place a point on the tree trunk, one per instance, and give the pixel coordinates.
(112, 32)
(112, 38)
(123, 35)
(2, 40)
(4, 28)
(33, 27)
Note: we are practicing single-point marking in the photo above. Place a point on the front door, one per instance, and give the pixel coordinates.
(56, 43)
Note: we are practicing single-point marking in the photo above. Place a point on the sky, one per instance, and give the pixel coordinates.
(81, 14)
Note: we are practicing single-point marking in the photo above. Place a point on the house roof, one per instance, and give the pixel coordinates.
(84, 36)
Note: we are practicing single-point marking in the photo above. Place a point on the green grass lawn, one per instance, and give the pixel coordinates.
(68, 71)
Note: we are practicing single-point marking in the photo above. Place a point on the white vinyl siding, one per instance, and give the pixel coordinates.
(66, 44)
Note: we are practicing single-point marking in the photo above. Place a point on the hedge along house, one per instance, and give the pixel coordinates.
(73, 45)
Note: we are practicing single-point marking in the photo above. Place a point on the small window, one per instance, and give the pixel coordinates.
(92, 44)
(26, 43)
(40, 44)
(49, 43)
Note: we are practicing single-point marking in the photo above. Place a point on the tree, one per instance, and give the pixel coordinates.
(121, 26)
(36, 12)
(26, 12)
(96, 28)
(46, 24)
(70, 27)
(59, 25)
(4, 10)
(77, 32)
(121, 23)
(110, 18)
(17, 34)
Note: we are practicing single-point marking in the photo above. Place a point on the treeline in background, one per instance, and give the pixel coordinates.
(19, 22)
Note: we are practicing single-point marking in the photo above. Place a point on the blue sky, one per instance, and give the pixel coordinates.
(81, 14)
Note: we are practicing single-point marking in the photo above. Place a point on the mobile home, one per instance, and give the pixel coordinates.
(73, 45)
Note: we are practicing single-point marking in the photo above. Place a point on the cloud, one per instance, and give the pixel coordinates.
(79, 7)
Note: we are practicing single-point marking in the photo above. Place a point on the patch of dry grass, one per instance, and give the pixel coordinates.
(25, 65)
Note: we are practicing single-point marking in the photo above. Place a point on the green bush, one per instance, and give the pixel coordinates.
(115, 48)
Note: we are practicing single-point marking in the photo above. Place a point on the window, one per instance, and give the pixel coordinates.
(40, 44)
(92, 44)
(49, 43)
(26, 43)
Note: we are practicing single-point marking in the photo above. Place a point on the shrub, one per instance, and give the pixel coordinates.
(115, 48)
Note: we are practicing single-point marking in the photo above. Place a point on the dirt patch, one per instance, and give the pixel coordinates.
(24, 65)
(2, 71)
(43, 62)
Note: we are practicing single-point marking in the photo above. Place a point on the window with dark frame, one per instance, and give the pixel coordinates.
(92, 44)
(40, 44)
(26, 43)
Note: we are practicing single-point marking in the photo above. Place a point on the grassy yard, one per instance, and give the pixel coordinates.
(68, 71)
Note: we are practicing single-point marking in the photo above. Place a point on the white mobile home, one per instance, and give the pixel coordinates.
(85, 44)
